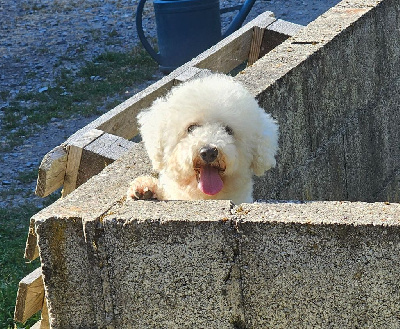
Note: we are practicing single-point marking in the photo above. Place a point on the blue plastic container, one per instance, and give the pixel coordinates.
(185, 28)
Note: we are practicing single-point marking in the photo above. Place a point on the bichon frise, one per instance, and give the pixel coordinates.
(206, 139)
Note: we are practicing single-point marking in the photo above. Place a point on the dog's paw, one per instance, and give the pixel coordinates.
(142, 188)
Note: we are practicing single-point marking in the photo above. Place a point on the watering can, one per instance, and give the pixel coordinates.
(185, 28)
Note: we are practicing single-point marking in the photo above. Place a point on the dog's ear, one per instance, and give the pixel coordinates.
(151, 130)
(265, 145)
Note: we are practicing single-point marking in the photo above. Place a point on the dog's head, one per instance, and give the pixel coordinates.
(208, 131)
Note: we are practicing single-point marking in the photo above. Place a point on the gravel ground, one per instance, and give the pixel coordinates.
(39, 38)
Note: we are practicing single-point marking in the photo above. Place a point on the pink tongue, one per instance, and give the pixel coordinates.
(210, 182)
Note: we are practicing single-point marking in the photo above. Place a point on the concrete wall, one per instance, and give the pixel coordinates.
(211, 265)
(109, 263)
(335, 91)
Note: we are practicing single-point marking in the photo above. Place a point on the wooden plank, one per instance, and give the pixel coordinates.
(71, 172)
(31, 248)
(30, 296)
(122, 120)
(234, 49)
(51, 171)
(224, 59)
(109, 146)
(99, 154)
(191, 73)
(277, 33)
(74, 159)
(266, 38)
(44, 323)
(258, 34)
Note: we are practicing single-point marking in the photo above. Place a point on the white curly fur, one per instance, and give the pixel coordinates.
(211, 104)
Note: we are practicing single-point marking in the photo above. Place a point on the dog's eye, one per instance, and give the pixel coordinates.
(192, 127)
(229, 130)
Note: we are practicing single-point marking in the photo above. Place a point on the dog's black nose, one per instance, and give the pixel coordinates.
(208, 153)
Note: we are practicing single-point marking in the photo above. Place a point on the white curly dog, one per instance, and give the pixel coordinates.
(206, 139)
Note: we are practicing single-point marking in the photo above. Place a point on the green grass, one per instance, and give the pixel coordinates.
(83, 93)
(28, 176)
(14, 225)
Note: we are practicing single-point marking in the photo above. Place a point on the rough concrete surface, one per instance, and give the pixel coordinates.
(175, 264)
(334, 90)
(338, 269)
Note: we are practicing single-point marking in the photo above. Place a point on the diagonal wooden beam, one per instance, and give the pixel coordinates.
(30, 296)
